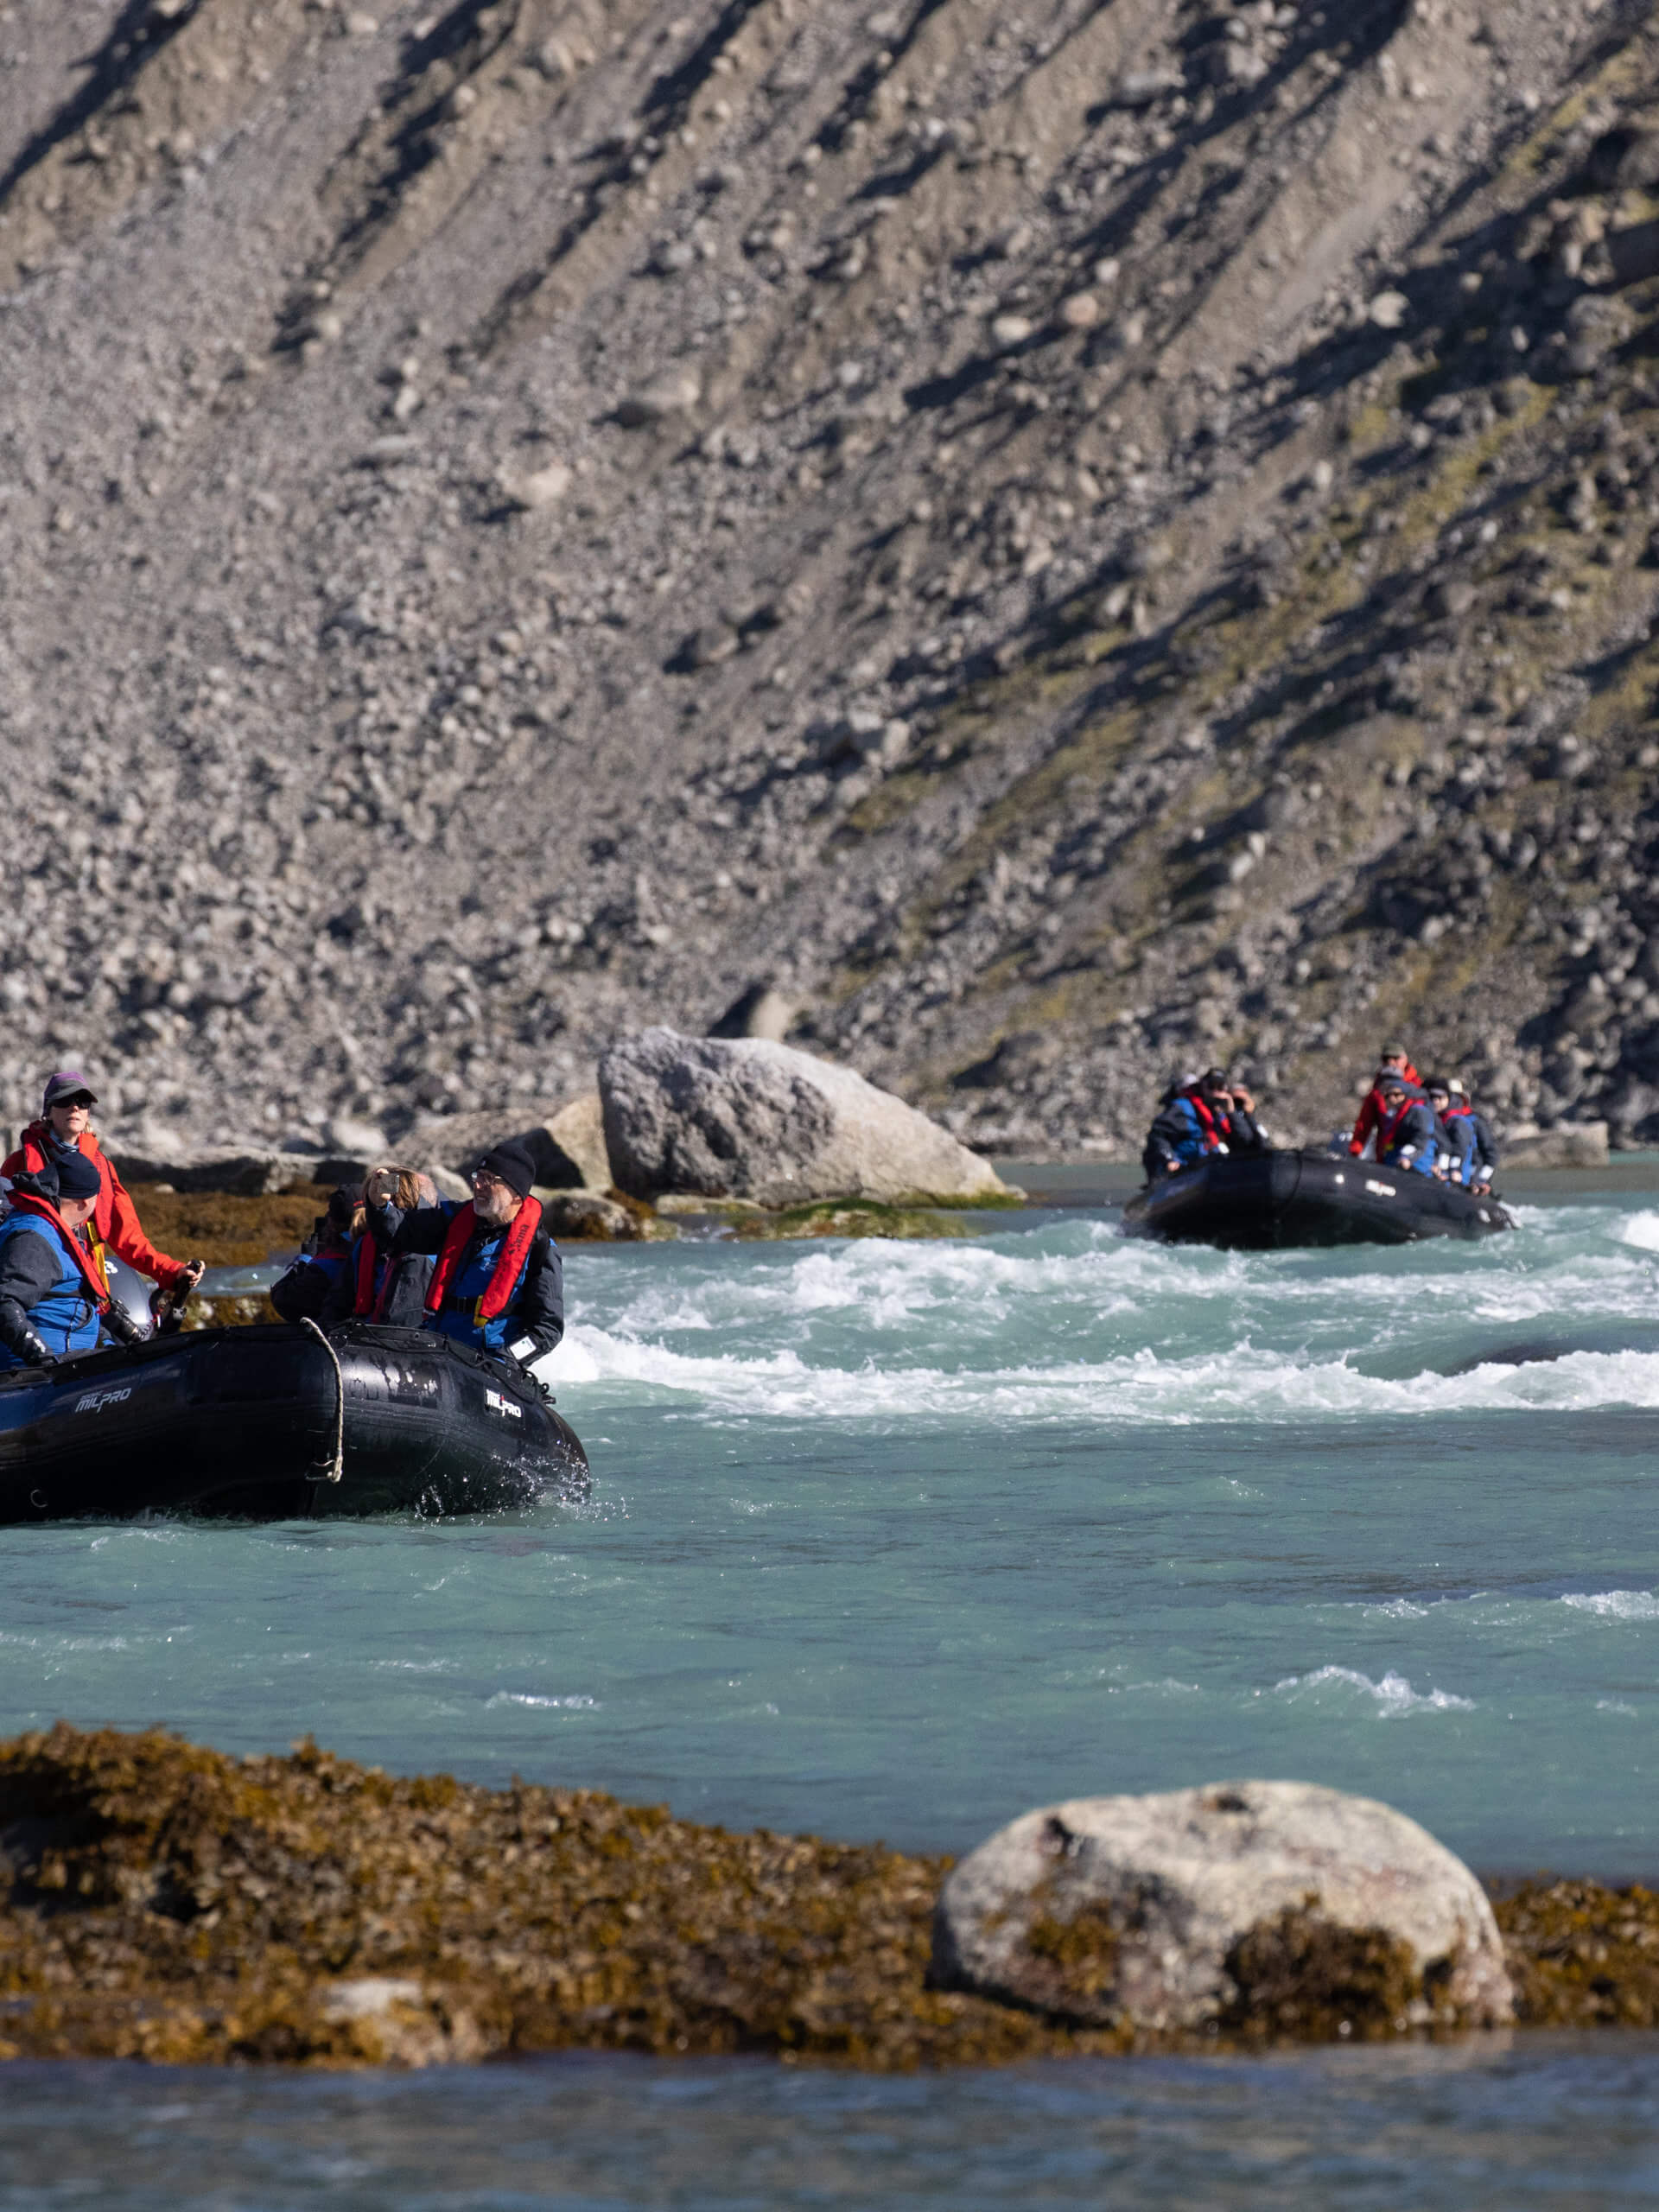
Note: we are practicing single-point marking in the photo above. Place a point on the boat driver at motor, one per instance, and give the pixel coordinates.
(53, 1296)
(499, 1282)
(1201, 1117)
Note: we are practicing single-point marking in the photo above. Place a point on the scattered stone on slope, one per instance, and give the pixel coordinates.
(752, 1119)
(381, 702)
(1260, 1906)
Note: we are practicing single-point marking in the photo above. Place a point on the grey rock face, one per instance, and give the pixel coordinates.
(1147, 1911)
(247, 1171)
(1572, 1144)
(750, 1119)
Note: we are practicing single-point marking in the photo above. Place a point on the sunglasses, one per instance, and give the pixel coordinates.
(80, 1098)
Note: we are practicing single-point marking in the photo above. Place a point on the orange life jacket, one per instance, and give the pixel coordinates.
(89, 1264)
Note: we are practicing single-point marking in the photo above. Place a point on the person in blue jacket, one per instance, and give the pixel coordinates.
(1483, 1158)
(319, 1286)
(1454, 1137)
(1201, 1116)
(1407, 1134)
(53, 1296)
(498, 1282)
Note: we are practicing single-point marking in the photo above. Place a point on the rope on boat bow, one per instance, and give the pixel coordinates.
(336, 1467)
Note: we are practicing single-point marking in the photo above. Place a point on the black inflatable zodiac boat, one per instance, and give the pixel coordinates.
(1257, 1202)
(280, 1423)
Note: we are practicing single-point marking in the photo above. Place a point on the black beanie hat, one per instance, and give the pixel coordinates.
(77, 1177)
(513, 1164)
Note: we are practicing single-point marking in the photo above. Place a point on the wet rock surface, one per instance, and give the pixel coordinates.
(1242, 1904)
(164, 1902)
(1138, 526)
(747, 1118)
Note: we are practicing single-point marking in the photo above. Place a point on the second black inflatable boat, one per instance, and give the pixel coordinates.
(280, 1423)
(1257, 1202)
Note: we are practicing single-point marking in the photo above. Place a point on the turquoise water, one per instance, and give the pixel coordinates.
(902, 1539)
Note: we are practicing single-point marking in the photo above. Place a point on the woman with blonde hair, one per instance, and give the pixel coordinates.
(387, 1286)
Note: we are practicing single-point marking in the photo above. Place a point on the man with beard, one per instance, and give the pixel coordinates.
(499, 1282)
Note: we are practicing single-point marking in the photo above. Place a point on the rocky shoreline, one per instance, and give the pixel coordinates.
(168, 1903)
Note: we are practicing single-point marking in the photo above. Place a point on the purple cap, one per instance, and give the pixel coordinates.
(67, 1082)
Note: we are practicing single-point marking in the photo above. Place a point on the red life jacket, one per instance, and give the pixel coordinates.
(1209, 1128)
(89, 1264)
(1388, 1123)
(508, 1264)
(364, 1305)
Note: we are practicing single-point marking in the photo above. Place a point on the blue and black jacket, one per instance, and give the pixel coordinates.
(43, 1288)
(470, 1298)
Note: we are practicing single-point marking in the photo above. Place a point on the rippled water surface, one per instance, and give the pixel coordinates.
(901, 1539)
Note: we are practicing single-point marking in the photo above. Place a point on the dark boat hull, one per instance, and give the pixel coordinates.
(242, 1423)
(1259, 1202)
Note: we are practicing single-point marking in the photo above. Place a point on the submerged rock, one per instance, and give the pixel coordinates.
(1263, 1907)
(746, 1117)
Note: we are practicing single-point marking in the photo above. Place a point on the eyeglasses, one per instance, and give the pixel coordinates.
(80, 1098)
(483, 1175)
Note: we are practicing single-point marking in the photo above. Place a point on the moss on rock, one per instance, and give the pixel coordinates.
(167, 1902)
(224, 1229)
(1582, 1956)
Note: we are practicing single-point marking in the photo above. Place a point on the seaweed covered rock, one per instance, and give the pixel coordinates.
(746, 1117)
(1583, 1955)
(1264, 1909)
(160, 1900)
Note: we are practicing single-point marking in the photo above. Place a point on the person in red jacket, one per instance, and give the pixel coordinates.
(65, 1110)
(1393, 1061)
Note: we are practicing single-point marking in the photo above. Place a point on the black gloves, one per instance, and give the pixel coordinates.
(19, 1334)
(30, 1346)
(120, 1325)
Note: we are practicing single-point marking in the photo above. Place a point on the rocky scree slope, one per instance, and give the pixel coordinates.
(1071, 540)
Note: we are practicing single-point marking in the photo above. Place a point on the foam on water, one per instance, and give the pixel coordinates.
(1618, 1605)
(1393, 1696)
(1074, 1322)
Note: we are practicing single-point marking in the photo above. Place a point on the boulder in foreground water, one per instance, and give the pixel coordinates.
(746, 1117)
(1270, 1909)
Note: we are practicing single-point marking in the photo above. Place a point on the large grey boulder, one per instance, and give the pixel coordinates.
(1266, 1907)
(748, 1118)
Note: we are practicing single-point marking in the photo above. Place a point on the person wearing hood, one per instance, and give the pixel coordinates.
(1406, 1136)
(62, 1133)
(498, 1282)
(1454, 1140)
(54, 1297)
(1392, 1061)
(1461, 1112)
